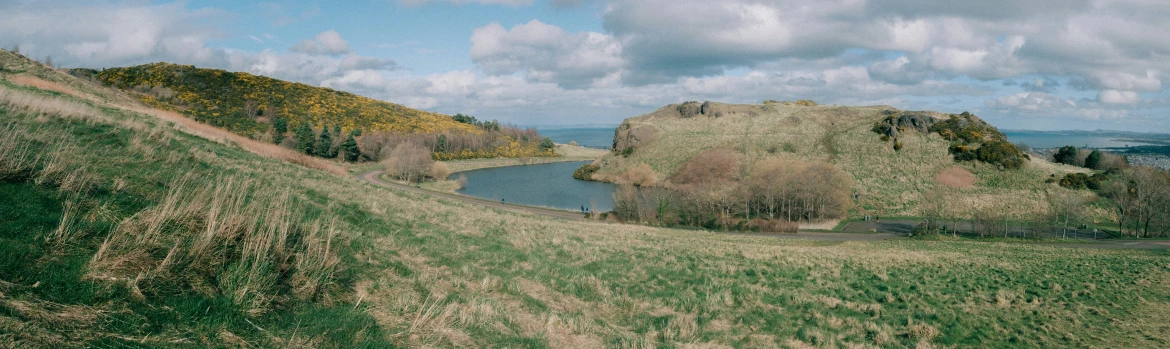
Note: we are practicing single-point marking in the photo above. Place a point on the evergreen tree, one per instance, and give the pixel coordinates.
(547, 145)
(324, 143)
(280, 127)
(1066, 155)
(1094, 160)
(305, 139)
(350, 147)
(442, 144)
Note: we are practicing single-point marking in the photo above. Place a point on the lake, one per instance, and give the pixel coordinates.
(548, 185)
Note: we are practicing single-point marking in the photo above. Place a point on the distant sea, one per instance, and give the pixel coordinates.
(602, 137)
(593, 137)
(1049, 139)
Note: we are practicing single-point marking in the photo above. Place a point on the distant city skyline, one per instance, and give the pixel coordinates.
(1036, 65)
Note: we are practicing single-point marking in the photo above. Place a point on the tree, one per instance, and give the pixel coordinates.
(280, 126)
(1066, 207)
(1066, 155)
(324, 144)
(350, 148)
(441, 145)
(305, 139)
(547, 145)
(1094, 160)
(409, 162)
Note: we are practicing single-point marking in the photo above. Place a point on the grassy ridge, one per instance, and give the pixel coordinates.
(246, 103)
(888, 182)
(415, 271)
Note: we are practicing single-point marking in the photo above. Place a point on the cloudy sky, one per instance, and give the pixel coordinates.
(1038, 64)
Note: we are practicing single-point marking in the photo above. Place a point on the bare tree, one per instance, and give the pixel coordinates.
(409, 162)
(1067, 207)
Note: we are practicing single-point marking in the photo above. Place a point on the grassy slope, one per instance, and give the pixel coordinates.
(419, 271)
(889, 181)
(218, 97)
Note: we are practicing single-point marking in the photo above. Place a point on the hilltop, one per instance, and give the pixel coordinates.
(128, 226)
(892, 157)
(247, 104)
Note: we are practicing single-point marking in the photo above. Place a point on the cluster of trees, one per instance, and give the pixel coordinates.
(497, 141)
(1090, 159)
(715, 190)
(1064, 213)
(327, 143)
(1141, 196)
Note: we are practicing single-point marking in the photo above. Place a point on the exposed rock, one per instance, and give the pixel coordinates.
(690, 109)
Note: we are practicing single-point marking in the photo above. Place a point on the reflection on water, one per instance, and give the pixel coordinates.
(548, 185)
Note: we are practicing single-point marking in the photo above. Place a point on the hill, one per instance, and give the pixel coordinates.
(893, 157)
(126, 226)
(247, 104)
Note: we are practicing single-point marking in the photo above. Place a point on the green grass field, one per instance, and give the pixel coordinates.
(123, 230)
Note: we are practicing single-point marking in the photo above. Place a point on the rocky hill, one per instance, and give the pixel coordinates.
(894, 157)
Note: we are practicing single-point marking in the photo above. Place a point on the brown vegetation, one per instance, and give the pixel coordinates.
(640, 175)
(955, 177)
(409, 162)
(709, 191)
(714, 166)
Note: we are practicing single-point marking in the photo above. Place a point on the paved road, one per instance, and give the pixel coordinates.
(854, 231)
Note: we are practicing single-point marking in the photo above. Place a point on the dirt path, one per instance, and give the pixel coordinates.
(890, 230)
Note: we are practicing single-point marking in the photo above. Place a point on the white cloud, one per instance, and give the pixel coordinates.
(1118, 97)
(99, 35)
(328, 42)
(546, 53)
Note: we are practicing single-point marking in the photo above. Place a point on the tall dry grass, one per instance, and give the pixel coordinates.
(226, 236)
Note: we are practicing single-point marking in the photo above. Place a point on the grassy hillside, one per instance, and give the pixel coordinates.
(247, 104)
(123, 228)
(887, 181)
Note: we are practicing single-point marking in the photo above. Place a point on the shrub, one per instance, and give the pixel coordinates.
(709, 166)
(640, 175)
(1002, 153)
(439, 170)
(409, 162)
(585, 172)
(1076, 181)
(772, 226)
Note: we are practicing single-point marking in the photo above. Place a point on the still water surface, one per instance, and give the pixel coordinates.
(548, 185)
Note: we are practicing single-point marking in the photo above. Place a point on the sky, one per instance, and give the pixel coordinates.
(1038, 64)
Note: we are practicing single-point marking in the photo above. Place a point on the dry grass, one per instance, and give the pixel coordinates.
(230, 224)
(219, 135)
(955, 177)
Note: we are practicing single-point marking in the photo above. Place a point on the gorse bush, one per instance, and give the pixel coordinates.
(247, 104)
(585, 172)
